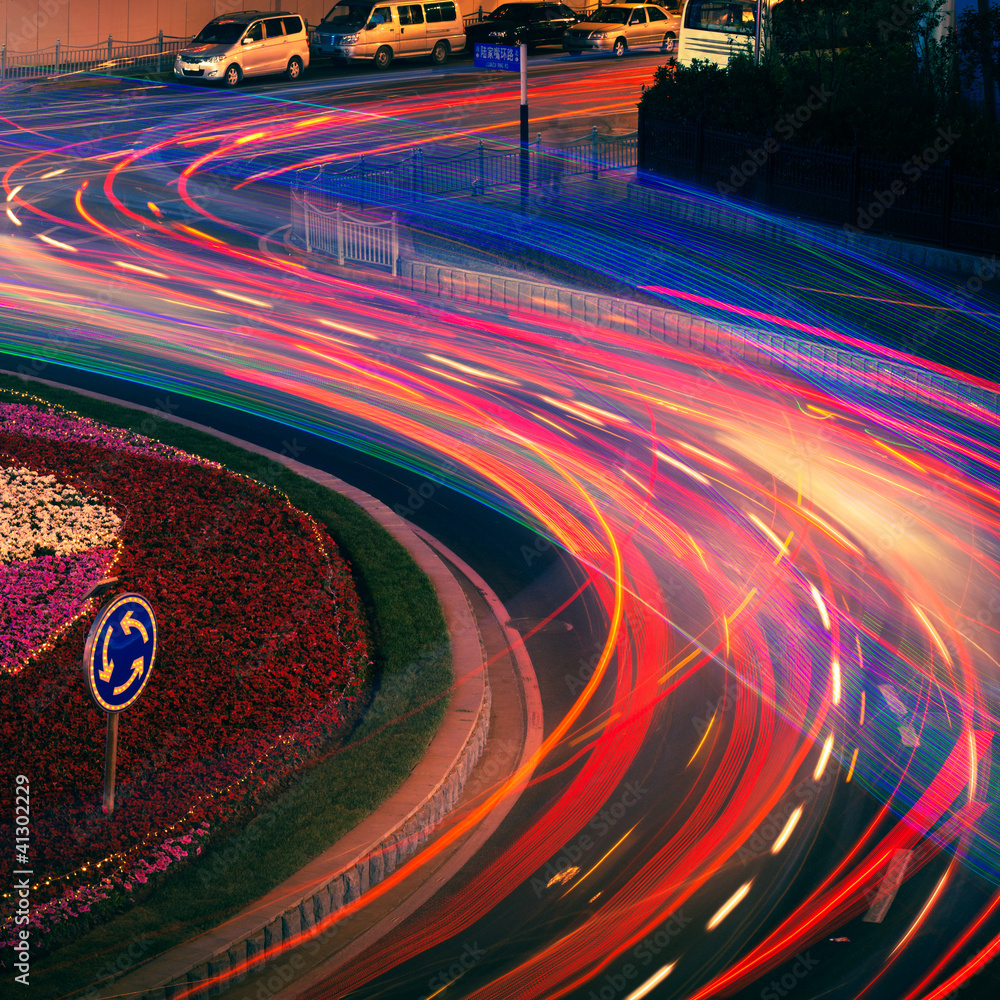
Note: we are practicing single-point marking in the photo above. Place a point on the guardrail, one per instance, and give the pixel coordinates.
(348, 236)
(420, 175)
(57, 59)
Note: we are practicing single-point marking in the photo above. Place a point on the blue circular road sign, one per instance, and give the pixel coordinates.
(120, 650)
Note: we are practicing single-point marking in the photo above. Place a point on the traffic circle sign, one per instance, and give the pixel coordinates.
(120, 650)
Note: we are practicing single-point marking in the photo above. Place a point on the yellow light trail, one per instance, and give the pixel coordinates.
(787, 831)
(823, 758)
(729, 905)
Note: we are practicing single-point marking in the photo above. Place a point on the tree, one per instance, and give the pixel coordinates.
(979, 51)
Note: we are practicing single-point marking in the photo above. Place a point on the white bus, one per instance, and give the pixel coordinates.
(716, 29)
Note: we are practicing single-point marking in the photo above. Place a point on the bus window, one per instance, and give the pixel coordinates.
(717, 15)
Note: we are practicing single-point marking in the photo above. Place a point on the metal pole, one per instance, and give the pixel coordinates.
(525, 168)
(340, 236)
(110, 753)
(57, 57)
(593, 153)
(756, 33)
(110, 43)
(159, 53)
(3, 62)
(395, 245)
(305, 216)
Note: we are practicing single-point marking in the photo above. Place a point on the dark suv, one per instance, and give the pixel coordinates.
(534, 23)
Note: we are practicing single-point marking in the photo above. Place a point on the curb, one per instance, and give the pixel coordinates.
(716, 215)
(375, 848)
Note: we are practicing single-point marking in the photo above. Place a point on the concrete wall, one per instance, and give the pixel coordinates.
(29, 25)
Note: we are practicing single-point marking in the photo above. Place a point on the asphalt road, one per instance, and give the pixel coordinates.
(654, 794)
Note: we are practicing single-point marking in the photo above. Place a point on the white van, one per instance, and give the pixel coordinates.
(361, 29)
(247, 43)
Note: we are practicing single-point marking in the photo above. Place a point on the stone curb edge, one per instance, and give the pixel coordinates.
(385, 852)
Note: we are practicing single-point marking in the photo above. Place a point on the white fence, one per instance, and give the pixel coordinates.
(102, 57)
(348, 236)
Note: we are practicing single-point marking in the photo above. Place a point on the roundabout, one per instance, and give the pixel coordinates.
(757, 593)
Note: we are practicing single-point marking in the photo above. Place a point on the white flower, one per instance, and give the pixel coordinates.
(39, 514)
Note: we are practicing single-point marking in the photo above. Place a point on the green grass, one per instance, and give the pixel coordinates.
(413, 676)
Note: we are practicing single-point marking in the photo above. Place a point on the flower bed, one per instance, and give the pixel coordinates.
(262, 642)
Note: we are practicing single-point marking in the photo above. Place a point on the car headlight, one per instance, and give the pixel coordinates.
(598, 34)
(211, 59)
(349, 39)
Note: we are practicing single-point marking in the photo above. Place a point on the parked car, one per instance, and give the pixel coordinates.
(247, 43)
(360, 29)
(619, 27)
(534, 23)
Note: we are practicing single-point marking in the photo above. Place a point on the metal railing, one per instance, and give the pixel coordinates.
(420, 174)
(57, 60)
(347, 235)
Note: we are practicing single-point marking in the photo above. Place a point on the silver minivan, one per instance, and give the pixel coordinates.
(363, 29)
(246, 43)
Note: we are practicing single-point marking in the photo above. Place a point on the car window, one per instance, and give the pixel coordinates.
(274, 28)
(293, 25)
(608, 15)
(565, 11)
(255, 32)
(638, 16)
(655, 14)
(219, 33)
(381, 15)
(538, 13)
(440, 11)
(554, 13)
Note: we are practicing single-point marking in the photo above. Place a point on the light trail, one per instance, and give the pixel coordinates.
(573, 431)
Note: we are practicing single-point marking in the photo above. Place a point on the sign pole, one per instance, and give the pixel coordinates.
(525, 168)
(756, 33)
(118, 659)
(110, 754)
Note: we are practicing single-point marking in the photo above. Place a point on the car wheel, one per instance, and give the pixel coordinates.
(233, 76)
(621, 47)
(440, 54)
(294, 70)
(669, 45)
(383, 57)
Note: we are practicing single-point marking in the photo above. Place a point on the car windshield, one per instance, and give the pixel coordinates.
(610, 15)
(511, 11)
(220, 33)
(348, 14)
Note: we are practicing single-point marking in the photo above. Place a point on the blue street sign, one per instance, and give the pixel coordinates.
(507, 57)
(120, 650)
